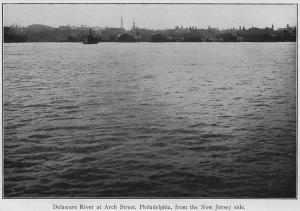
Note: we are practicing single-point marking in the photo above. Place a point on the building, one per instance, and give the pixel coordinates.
(12, 34)
(111, 34)
(226, 37)
(158, 38)
(126, 38)
(286, 34)
(67, 27)
(256, 35)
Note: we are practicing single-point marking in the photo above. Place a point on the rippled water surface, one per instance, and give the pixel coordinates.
(149, 120)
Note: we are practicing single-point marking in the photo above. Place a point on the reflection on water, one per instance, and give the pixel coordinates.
(149, 120)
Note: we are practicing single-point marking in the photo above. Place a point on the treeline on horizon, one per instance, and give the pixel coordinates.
(43, 33)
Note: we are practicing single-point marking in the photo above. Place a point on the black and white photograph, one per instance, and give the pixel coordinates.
(148, 100)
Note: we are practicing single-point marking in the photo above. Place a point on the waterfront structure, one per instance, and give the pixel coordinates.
(286, 34)
(134, 32)
(126, 38)
(194, 35)
(14, 35)
(146, 34)
(67, 27)
(111, 34)
(256, 35)
(226, 37)
(158, 38)
(43, 33)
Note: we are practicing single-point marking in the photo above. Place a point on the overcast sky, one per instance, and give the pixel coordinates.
(150, 15)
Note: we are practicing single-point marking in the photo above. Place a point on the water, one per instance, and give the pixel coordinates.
(150, 120)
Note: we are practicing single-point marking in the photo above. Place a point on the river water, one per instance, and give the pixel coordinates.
(150, 120)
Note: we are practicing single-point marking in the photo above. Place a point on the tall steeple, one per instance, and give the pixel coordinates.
(122, 26)
(133, 25)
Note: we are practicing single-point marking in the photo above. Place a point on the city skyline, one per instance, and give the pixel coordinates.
(151, 16)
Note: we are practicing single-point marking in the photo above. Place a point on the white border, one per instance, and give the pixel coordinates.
(47, 204)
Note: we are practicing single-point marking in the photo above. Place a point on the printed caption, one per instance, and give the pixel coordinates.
(150, 207)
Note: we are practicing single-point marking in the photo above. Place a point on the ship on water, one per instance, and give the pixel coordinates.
(90, 39)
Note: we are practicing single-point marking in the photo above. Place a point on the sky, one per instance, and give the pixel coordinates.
(151, 16)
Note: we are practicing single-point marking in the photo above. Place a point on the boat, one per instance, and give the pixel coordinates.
(90, 39)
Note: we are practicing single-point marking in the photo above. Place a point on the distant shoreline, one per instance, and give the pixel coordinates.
(43, 33)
